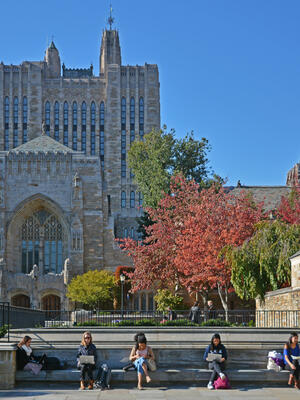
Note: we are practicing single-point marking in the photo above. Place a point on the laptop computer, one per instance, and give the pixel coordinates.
(87, 360)
(213, 356)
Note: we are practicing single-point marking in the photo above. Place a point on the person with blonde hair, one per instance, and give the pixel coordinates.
(86, 348)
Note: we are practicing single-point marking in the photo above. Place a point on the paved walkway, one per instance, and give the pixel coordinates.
(55, 392)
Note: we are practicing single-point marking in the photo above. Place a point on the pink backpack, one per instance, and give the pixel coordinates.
(222, 384)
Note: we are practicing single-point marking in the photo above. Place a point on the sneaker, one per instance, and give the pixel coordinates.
(222, 376)
(210, 386)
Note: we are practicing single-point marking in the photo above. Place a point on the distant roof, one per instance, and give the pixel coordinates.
(295, 255)
(270, 195)
(43, 143)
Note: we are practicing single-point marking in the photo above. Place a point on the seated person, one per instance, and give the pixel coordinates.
(291, 348)
(26, 360)
(139, 355)
(86, 348)
(217, 366)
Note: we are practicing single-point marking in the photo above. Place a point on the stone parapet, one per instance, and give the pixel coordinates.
(7, 365)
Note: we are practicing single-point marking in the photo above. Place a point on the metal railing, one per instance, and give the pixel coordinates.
(148, 318)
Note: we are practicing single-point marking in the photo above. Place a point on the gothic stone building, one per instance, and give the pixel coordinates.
(66, 191)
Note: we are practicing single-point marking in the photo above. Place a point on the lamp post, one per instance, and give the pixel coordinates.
(122, 279)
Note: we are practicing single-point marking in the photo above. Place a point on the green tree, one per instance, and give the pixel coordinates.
(94, 288)
(164, 299)
(262, 263)
(160, 156)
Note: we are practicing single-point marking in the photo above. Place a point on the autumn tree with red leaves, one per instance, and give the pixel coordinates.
(185, 245)
(218, 221)
(289, 208)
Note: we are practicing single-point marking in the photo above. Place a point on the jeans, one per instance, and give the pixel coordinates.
(294, 372)
(217, 368)
(138, 364)
(86, 369)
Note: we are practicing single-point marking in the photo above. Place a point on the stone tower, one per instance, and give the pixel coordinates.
(110, 52)
(52, 60)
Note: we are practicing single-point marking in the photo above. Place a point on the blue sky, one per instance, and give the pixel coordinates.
(229, 69)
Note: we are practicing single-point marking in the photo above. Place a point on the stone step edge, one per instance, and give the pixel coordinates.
(161, 375)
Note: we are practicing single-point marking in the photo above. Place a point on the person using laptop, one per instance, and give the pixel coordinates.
(291, 356)
(86, 360)
(215, 354)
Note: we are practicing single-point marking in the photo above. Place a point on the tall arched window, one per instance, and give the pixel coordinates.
(74, 136)
(140, 199)
(123, 137)
(56, 120)
(141, 118)
(66, 123)
(48, 246)
(132, 119)
(132, 199)
(102, 134)
(16, 110)
(83, 126)
(125, 233)
(47, 117)
(132, 232)
(123, 199)
(6, 123)
(25, 117)
(93, 128)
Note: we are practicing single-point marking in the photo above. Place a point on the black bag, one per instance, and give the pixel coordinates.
(129, 366)
(52, 363)
(103, 377)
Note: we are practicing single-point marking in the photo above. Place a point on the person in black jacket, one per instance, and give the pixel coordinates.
(86, 348)
(25, 358)
(194, 314)
(217, 366)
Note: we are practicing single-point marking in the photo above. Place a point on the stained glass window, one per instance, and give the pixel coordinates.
(48, 246)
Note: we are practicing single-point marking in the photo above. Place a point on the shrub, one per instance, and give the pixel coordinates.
(216, 322)
(3, 330)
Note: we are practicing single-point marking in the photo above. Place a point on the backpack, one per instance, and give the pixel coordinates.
(103, 377)
(52, 363)
(222, 384)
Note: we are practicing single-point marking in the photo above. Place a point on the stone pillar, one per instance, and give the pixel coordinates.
(7, 365)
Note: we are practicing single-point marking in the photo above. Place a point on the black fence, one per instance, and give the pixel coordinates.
(19, 317)
(149, 318)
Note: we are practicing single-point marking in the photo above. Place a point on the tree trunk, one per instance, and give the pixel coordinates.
(224, 299)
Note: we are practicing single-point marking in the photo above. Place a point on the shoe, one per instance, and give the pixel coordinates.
(222, 376)
(140, 387)
(210, 386)
(82, 387)
(148, 379)
(91, 385)
(291, 379)
(297, 385)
